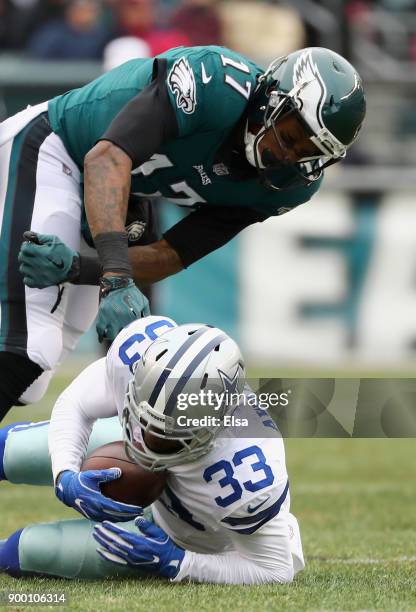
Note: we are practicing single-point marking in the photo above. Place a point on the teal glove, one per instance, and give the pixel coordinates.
(121, 302)
(45, 260)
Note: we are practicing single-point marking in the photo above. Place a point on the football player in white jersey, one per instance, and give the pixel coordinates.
(224, 515)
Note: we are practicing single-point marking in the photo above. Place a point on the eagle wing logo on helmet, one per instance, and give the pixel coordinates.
(181, 81)
(310, 90)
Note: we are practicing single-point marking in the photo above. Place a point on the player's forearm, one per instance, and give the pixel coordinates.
(150, 263)
(107, 184)
(153, 262)
(73, 417)
(68, 436)
(261, 557)
(230, 568)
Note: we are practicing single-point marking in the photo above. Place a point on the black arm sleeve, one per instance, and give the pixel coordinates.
(146, 121)
(208, 229)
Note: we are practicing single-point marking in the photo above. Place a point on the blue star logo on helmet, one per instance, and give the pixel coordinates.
(230, 385)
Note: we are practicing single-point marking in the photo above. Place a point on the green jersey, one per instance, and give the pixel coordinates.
(209, 89)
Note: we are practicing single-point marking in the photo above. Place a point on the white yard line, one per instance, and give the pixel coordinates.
(364, 561)
(339, 487)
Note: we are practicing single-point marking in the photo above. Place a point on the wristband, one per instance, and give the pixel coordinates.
(112, 248)
(74, 270)
(85, 270)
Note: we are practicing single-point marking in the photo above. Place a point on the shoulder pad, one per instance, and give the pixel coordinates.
(133, 340)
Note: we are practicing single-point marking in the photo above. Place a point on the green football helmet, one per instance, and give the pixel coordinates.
(325, 92)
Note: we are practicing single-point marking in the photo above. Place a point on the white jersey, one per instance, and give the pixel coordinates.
(237, 487)
(127, 349)
(217, 504)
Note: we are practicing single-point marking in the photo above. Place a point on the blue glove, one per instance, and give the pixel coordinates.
(121, 303)
(151, 549)
(81, 490)
(46, 261)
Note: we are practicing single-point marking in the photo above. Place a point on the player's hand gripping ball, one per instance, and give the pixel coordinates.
(109, 486)
(135, 486)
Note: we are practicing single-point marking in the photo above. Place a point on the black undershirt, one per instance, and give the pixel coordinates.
(147, 121)
(208, 229)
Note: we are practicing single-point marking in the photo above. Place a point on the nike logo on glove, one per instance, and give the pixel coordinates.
(252, 509)
(205, 78)
(155, 559)
(78, 502)
(58, 264)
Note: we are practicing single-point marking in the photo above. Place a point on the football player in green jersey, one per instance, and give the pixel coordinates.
(203, 127)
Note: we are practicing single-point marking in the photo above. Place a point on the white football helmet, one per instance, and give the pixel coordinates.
(183, 361)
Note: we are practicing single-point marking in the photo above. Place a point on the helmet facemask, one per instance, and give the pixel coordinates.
(140, 417)
(180, 365)
(281, 105)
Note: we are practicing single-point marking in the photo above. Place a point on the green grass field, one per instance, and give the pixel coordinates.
(355, 501)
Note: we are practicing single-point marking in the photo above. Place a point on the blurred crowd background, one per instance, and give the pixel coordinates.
(80, 29)
(334, 281)
(378, 36)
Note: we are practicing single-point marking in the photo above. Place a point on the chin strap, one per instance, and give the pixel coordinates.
(251, 141)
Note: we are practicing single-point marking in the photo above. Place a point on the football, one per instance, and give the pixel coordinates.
(135, 485)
